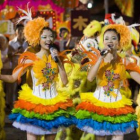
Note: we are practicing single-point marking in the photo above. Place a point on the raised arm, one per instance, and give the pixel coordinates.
(68, 42)
(94, 69)
(61, 68)
(12, 78)
(62, 73)
(135, 76)
(134, 70)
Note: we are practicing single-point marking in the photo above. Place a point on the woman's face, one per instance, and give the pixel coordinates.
(46, 39)
(111, 40)
(19, 33)
(64, 34)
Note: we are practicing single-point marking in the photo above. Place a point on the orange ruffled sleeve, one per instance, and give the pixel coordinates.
(21, 62)
(132, 67)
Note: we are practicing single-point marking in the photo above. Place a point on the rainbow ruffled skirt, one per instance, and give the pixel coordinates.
(42, 116)
(101, 118)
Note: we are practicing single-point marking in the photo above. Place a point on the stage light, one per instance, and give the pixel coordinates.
(90, 4)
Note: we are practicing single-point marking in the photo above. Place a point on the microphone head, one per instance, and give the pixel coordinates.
(54, 46)
(110, 46)
(103, 52)
(50, 46)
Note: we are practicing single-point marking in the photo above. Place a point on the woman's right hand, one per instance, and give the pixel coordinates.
(105, 51)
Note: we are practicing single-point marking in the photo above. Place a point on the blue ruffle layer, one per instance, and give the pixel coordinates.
(106, 125)
(60, 121)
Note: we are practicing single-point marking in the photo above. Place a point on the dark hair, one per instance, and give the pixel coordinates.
(48, 28)
(63, 29)
(113, 31)
(18, 26)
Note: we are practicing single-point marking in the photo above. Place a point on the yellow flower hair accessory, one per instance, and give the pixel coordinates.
(125, 35)
(33, 29)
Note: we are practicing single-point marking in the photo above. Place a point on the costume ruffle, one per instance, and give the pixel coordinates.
(33, 129)
(90, 98)
(48, 125)
(105, 118)
(26, 94)
(138, 113)
(41, 109)
(83, 114)
(43, 113)
(106, 126)
(103, 132)
(28, 114)
(105, 111)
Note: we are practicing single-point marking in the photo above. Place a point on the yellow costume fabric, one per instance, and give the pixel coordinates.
(2, 106)
(41, 109)
(107, 111)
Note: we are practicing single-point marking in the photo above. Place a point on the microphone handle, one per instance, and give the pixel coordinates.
(55, 59)
(103, 52)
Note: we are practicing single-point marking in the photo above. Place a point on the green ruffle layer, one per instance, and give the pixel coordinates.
(83, 114)
(61, 112)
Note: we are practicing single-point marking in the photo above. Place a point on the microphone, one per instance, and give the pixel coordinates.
(52, 47)
(110, 46)
(105, 51)
(102, 53)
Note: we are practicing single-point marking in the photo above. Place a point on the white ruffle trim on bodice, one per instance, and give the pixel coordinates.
(100, 95)
(44, 94)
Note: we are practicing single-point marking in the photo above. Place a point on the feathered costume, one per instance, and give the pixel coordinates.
(41, 110)
(107, 111)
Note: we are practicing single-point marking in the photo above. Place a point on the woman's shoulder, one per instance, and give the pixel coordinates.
(27, 57)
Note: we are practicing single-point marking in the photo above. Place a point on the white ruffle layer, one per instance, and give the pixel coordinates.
(33, 129)
(104, 133)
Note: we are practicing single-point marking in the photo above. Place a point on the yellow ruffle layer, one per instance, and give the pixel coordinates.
(90, 98)
(26, 94)
(138, 114)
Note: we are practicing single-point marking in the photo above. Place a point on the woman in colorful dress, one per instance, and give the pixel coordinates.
(40, 110)
(107, 111)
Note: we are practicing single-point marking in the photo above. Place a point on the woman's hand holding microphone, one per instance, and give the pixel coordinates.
(105, 51)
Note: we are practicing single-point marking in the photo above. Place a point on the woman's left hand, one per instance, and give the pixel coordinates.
(54, 52)
(55, 55)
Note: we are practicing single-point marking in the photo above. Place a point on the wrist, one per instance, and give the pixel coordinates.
(59, 63)
(100, 58)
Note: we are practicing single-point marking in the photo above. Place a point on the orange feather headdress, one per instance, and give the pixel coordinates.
(125, 35)
(33, 27)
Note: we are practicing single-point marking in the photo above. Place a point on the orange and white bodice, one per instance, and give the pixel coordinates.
(110, 80)
(44, 75)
